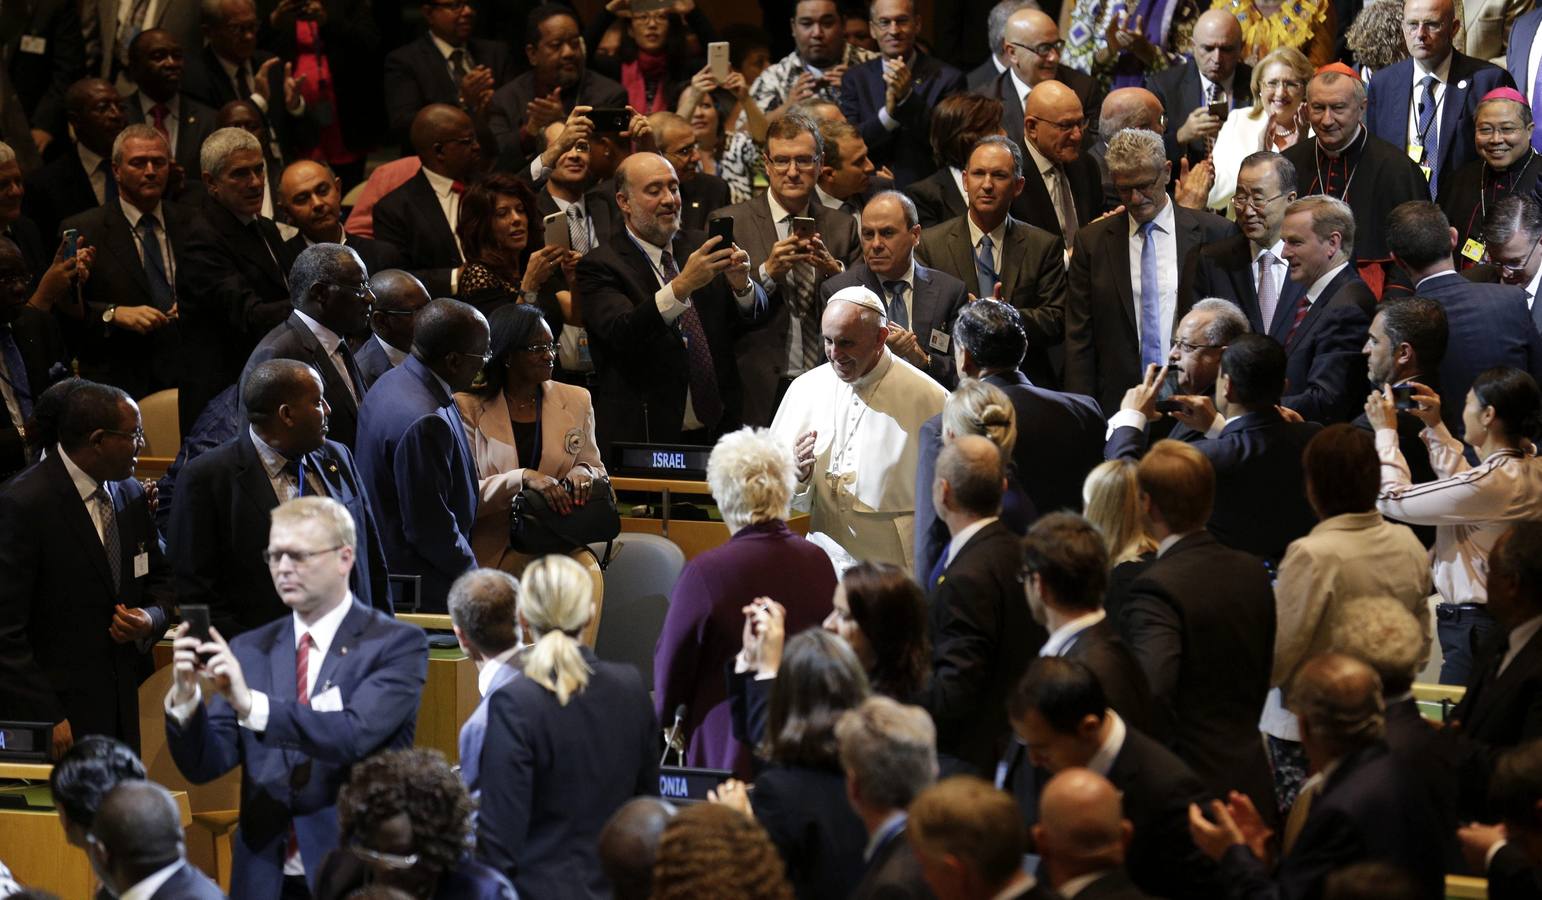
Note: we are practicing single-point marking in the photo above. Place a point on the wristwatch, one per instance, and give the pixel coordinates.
(109, 314)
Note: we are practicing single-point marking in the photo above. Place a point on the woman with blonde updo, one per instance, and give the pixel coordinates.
(713, 851)
(1111, 496)
(566, 745)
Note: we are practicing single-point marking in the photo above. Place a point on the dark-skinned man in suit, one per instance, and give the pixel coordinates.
(45, 52)
(446, 65)
(889, 753)
(219, 519)
(156, 63)
(311, 197)
(1033, 49)
(418, 219)
(398, 297)
(789, 265)
(1214, 73)
(32, 350)
(80, 178)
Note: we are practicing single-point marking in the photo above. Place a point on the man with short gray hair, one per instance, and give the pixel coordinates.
(483, 605)
(889, 753)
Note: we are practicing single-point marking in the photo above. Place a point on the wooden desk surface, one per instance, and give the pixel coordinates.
(33, 845)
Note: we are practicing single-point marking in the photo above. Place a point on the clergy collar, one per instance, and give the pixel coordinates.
(1349, 148)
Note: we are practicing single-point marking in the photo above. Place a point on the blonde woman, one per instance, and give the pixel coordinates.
(1273, 122)
(1111, 497)
(566, 744)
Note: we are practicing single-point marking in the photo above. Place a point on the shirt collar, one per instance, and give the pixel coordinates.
(1103, 760)
(311, 243)
(1205, 84)
(998, 234)
(1522, 633)
(88, 158)
(148, 104)
(443, 46)
(133, 214)
(1022, 87)
(84, 483)
(1067, 632)
(562, 205)
(485, 677)
(273, 462)
(394, 355)
(1441, 72)
(1166, 543)
(1321, 283)
(881, 835)
(145, 889)
(826, 199)
(442, 186)
(1164, 220)
(323, 630)
(328, 338)
(1354, 143)
(963, 536)
(1041, 163)
(778, 211)
(1278, 250)
(1535, 284)
(655, 252)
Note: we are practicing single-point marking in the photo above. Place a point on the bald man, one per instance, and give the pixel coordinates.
(312, 196)
(1062, 184)
(1215, 73)
(398, 297)
(1128, 107)
(419, 218)
(1033, 51)
(137, 847)
(1082, 836)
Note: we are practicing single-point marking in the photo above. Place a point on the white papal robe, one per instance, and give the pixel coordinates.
(862, 489)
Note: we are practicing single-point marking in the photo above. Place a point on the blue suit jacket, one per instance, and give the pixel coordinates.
(372, 361)
(906, 150)
(475, 730)
(187, 883)
(292, 771)
(1518, 53)
(1391, 93)
(421, 478)
(1489, 326)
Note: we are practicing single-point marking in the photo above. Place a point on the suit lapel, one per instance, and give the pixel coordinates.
(1285, 310)
(1318, 309)
(1395, 112)
(343, 643)
(251, 476)
(331, 380)
(1120, 267)
(1498, 687)
(427, 200)
(437, 68)
(1239, 268)
(281, 656)
(1458, 89)
(762, 226)
(1012, 255)
(1189, 236)
(120, 243)
(79, 519)
(1011, 107)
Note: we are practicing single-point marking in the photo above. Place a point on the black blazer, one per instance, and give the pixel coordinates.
(1511, 876)
(936, 198)
(1212, 693)
(938, 297)
(1115, 884)
(57, 191)
(1415, 452)
(139, 363)
(196, 122)
(1224, 269)
(506, 115)
(699, 197)
(1182, 92)
(57, 661)
(373, 361)
(1489, 325)
(188, 883)
(813, 826)
(893, 873)
(231, 294)
(1032, 279)
(982, 641)
(219, 529)
(292, 339)
(1060, 440)
(1325, 372)
(599, 207)
(1473, 190)
(1504, 710)
(1084, 85)
(1100, 649)
(1102, 344)
(1035, 207)
(906, 150)
(40, 79)
(205, 80)
(640, 362)
(416, 75)
(553, 775)
(411, 222)
(376, 255)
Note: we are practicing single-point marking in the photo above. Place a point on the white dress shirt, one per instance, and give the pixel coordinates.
(1279, 272)
(1321, 284)
(486, 674)
(449, 203)
(1022, 87)
(394, 355)
(959, 540)
(132, 213)
(173, 119)
(1166, 237)
(146, 888)
(1442, 75)
(331, 342)
(1067, 632)
(97, 169)
(445, 48)
(85, 485)
(1102, 762)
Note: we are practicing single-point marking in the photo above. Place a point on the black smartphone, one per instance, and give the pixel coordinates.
(196, 615)
(1219, 109)
(804, 226)
(1165, 402)
(610, 120)
(722, 227)
(1402, 398)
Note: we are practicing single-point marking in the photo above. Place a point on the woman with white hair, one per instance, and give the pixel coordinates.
(566, 745)
(752, 476)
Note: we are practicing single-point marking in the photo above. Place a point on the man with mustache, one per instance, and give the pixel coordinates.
(311, 195)
(1506, 165)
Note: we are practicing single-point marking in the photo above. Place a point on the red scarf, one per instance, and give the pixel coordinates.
(648, 68)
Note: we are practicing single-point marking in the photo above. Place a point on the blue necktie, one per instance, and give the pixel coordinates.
(937, 570)
(985, 268)
(897, 312)
(155, 264)
(1428, 131)
(1150, 300)
(16, 374)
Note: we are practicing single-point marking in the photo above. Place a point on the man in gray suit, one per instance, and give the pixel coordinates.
(789, 261)
(987, 248)
(922, 302)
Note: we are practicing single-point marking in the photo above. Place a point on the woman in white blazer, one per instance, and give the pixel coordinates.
(1273, 122)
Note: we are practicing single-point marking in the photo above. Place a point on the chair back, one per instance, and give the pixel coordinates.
(641, 575)
(158, 414)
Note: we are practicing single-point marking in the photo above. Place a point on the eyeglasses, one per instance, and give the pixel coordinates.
(1275, 84)
(894, 23)
(298, 557)
(542, 349)
(1186, 347)
(1041, 49)
(1253, 201)
(20, 279)
(137, 435)
(1067, 125)
(1146, 189)
(240, 29)
(359, 291)
(389, 860)
(1504, 131)
(1512, 270)
(484, 357)
(783, 163)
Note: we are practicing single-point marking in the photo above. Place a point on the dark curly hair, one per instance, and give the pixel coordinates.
(714, 851)
(820, 678)
(891, 611)
(476, 222)
(417, 782)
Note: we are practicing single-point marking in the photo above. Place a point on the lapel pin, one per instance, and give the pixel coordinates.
(342, 651)
(1461, 85)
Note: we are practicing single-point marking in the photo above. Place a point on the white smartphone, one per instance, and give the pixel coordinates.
(717, 60)
(647, 6)
(556, 226)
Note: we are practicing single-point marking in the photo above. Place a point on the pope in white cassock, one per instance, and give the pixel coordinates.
(855, 424)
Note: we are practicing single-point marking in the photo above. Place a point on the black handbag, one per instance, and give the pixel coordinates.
(535, 529)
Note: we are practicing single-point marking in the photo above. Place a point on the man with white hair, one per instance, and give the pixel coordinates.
(889, 753)
(855, 424)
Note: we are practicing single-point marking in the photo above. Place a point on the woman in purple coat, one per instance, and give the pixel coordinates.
(752, 476)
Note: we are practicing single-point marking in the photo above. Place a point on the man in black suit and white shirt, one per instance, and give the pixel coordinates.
(700, 192)
(219, 519)
(81, 177)
(330, 290)
(1123, 297)
(922, 302)
(1033, 50)
(988, 246)
(1249, 269)
(156, 65)
(419, 218)
(398, 297)
(1082, 836)
(1512, 232)
(593, 218)
(446, 65)
(1062, 184)
(790, 265)
(311, 197)
(969, 839)
(889, 754)
(1510, 857)
(1214, 73)
(32, 354)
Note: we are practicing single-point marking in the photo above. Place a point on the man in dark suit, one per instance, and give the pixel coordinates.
(1123, 296)
(982, 636)
(1323, 319)
(1214, 73)
(846, 175)
(558, 80)
(101, 21)
(398, 297)
(1249, 269)
(1082, 836)
(1489, 324)
(665, 370)
(46, 53)
(789, 264)
(969, 840)
(446, 65)
(988, 246)
(131, 337)
(1033, 49)
(1511, 857)
(1060, 715)
(1523, 34)
(890, 99)
(414, 456)
(700, 193)
(995, 33)
(889, 754)
(1062, 184)
(1429, 100)
(1406, 342)
(156, 65)
(922, 302)
(1368, 809)
(299, 701)
(136, 846)
(1200, 619)
(1128, 107)
(85, 590)
(570, 188)
(233, 283)
(81, 177)
(32, 353)
(481, 604)
(1065, 570)
(418, 219)
(311, 197)
(219, 521)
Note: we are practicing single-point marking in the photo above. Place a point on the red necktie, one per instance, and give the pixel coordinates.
(302, 684)
(159, 111)
(458, 187)
(1302, 308)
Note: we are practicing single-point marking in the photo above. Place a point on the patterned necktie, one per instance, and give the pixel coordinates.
(294, 470)
(898, 314)
(458, 67)
(1150, 300)
(800, 286)
(985, 267)
(1429, 132)
(1302, 308)
(109, 535)
(1065, 205)
(1268, 292)
(578, 229)
(159, 112)
(16, 374)
(243, 83)
(302, 665)
(705, 398)
(349, 369)
(155, 264)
